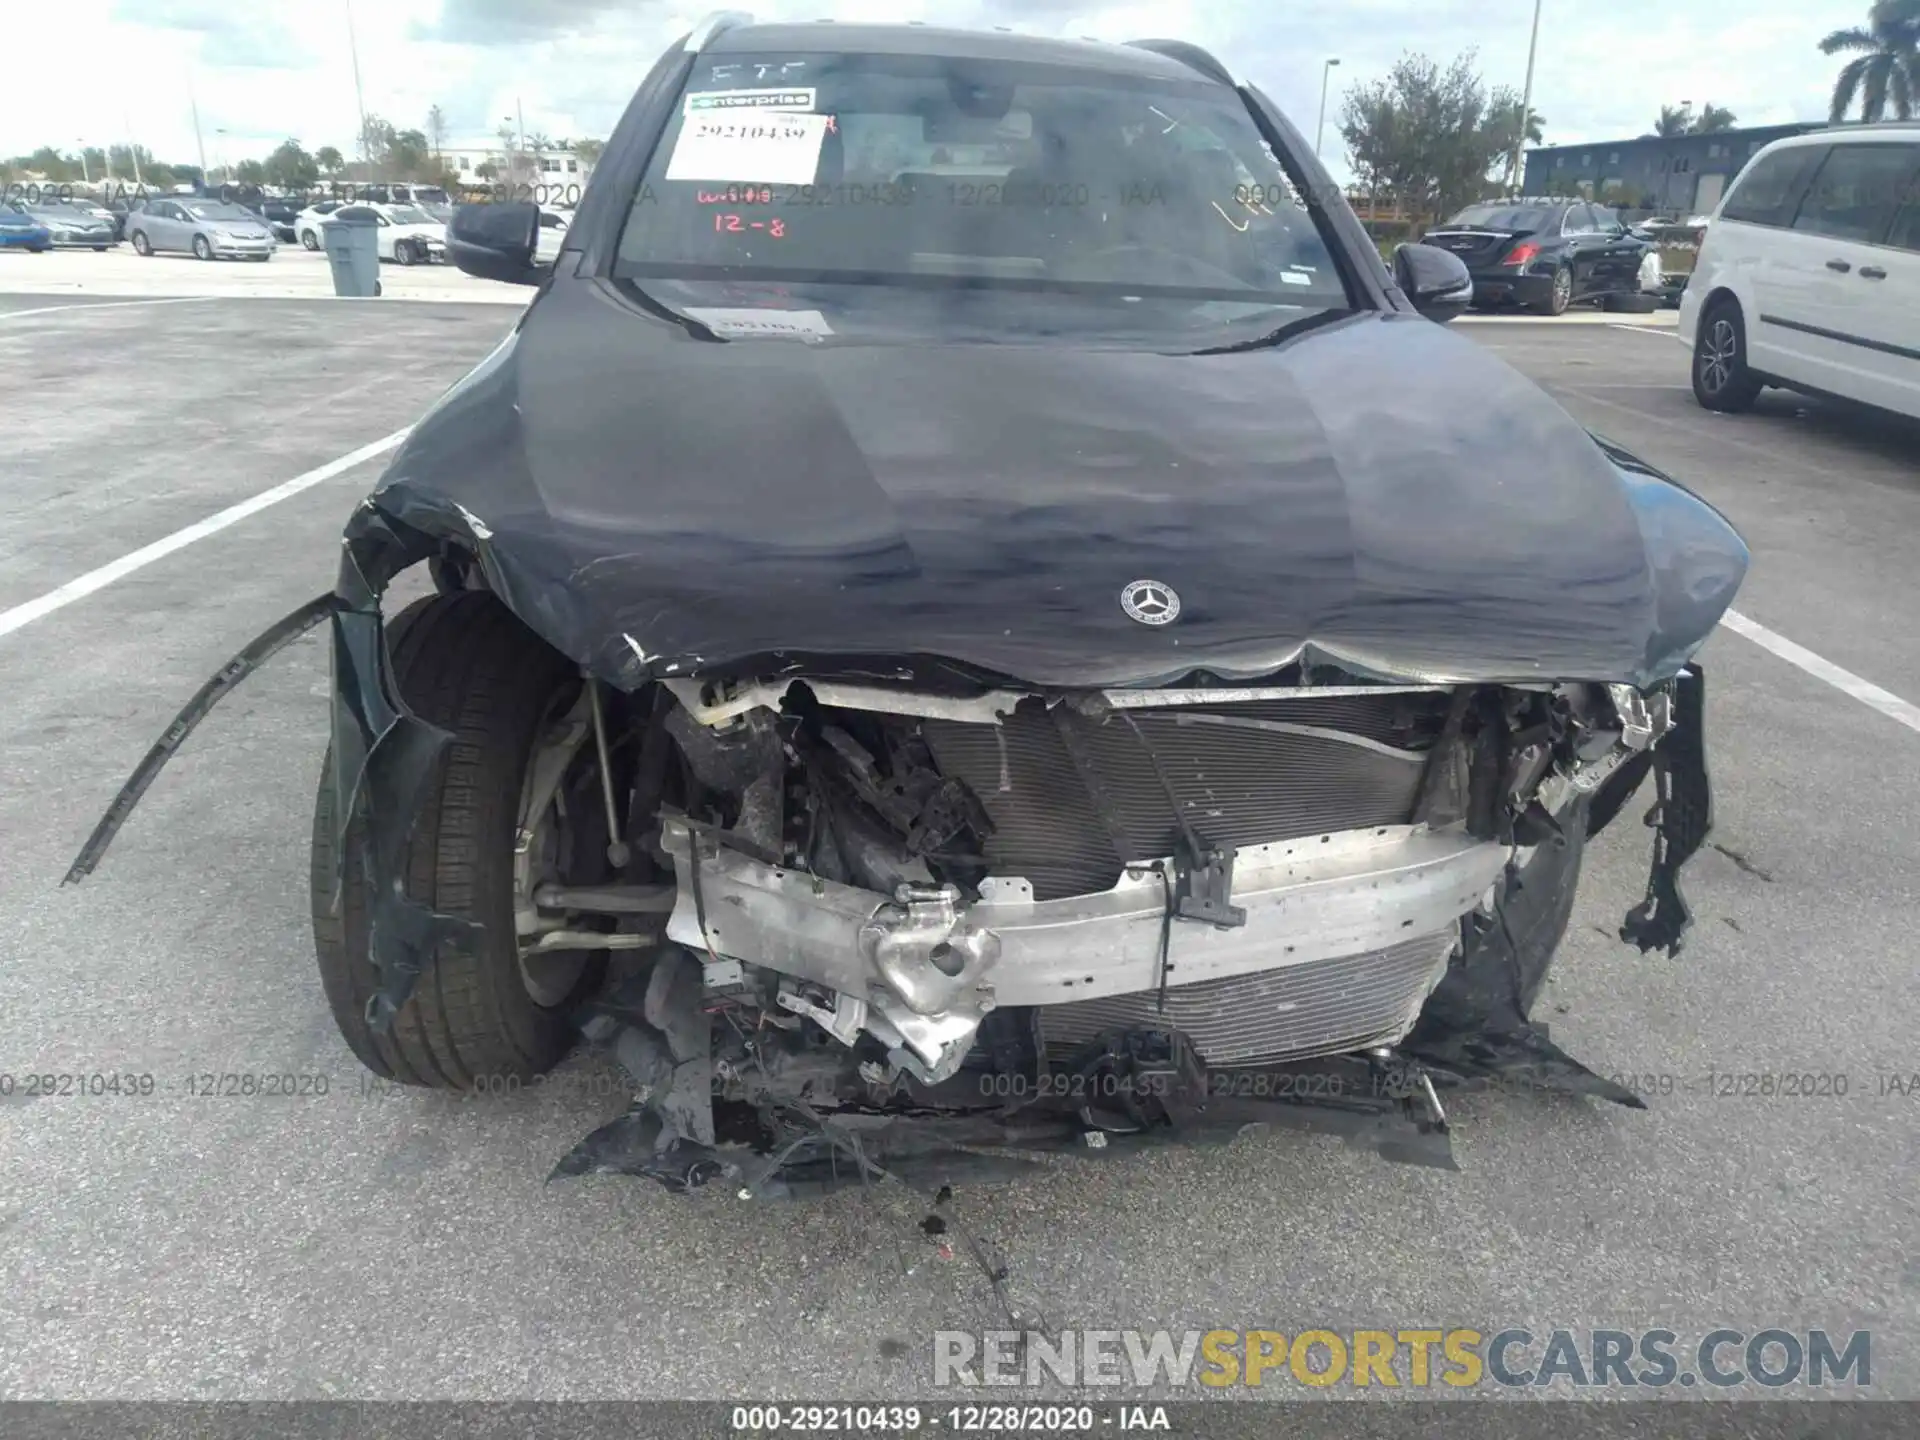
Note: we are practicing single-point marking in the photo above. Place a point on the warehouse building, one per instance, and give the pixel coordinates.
(1680, 175)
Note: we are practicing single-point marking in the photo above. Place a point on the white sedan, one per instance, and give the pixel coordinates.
(407, 235)
(553, 233)
(306, 225)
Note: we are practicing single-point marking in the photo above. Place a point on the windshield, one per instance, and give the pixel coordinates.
(1504, 217)
(930, 172)
(203, 210)
(408, 215)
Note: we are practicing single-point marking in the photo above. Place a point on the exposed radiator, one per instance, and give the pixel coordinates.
(1328, 1007)
(1239, 774)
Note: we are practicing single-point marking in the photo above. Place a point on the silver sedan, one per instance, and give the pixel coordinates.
(69, 225)
(209, 229)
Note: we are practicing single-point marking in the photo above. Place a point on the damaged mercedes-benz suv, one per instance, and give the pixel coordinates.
(973, 615)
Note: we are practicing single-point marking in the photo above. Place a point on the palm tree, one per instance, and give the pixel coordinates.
(1885, 70)
(1713, 119)
(1674, 120)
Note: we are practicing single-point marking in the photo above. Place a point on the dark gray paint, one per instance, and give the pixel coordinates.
(1375, 492)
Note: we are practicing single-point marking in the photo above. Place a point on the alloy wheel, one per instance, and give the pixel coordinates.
(1719, 355)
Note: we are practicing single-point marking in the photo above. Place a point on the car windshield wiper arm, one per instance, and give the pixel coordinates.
(1276, 337)
(663, 312)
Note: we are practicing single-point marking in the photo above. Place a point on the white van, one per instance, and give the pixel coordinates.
(1809, 276)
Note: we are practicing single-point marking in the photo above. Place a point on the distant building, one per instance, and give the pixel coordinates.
(554, 168)
(1678, 175)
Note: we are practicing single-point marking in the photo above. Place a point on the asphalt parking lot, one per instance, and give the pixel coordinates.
(407, 1246)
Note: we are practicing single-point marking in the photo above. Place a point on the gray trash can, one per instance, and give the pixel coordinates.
(353, 253)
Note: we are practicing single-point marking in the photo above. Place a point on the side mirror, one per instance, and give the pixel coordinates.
(1435, 280)
(496, 241)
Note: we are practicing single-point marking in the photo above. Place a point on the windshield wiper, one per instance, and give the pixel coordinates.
(662, 312)
(1277, 337)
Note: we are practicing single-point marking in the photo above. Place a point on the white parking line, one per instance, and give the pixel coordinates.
(101, 305)
(1865, 691)
(21, 616)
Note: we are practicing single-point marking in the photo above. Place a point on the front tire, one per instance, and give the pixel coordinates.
(467, 664)
(309, 241)
(203, 247)
(1721, 379)
(403, 252)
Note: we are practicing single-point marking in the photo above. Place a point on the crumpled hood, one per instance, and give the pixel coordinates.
(1375, 492)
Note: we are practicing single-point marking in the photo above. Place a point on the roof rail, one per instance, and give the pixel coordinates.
(1191, 56)
(719, 20)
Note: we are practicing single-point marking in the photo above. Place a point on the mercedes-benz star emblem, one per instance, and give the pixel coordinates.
(1151, 602)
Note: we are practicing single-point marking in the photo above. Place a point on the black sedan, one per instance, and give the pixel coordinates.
(279, 215)
(1544, 254)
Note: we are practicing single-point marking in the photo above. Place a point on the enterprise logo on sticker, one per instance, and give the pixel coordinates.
(749, 100)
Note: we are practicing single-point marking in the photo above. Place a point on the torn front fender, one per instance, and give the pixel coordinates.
(383, 761)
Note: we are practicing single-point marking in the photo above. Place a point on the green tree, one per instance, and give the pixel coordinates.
(408, 154)
(1536, 123)
(291, 168)
(1885, 71)
(1713, 119)
(1427, 137)
(330, 161)
(589, 152)
(51, 163)
(250, 172)
(1674, 120)
(376, 141)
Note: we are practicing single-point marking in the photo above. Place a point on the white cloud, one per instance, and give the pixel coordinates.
(277, 68)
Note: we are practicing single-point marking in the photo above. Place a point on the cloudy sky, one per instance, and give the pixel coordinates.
(269, 69)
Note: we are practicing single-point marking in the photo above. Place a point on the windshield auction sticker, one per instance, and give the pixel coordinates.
(751, 147)
(749, 100)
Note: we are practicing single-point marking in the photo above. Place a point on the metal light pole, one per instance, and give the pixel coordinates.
(220, 155)
(1326, 73)
(359, 96)
(133, 148)
(518, 124)
(1517, 174)
(199, 143)
(86, 175)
